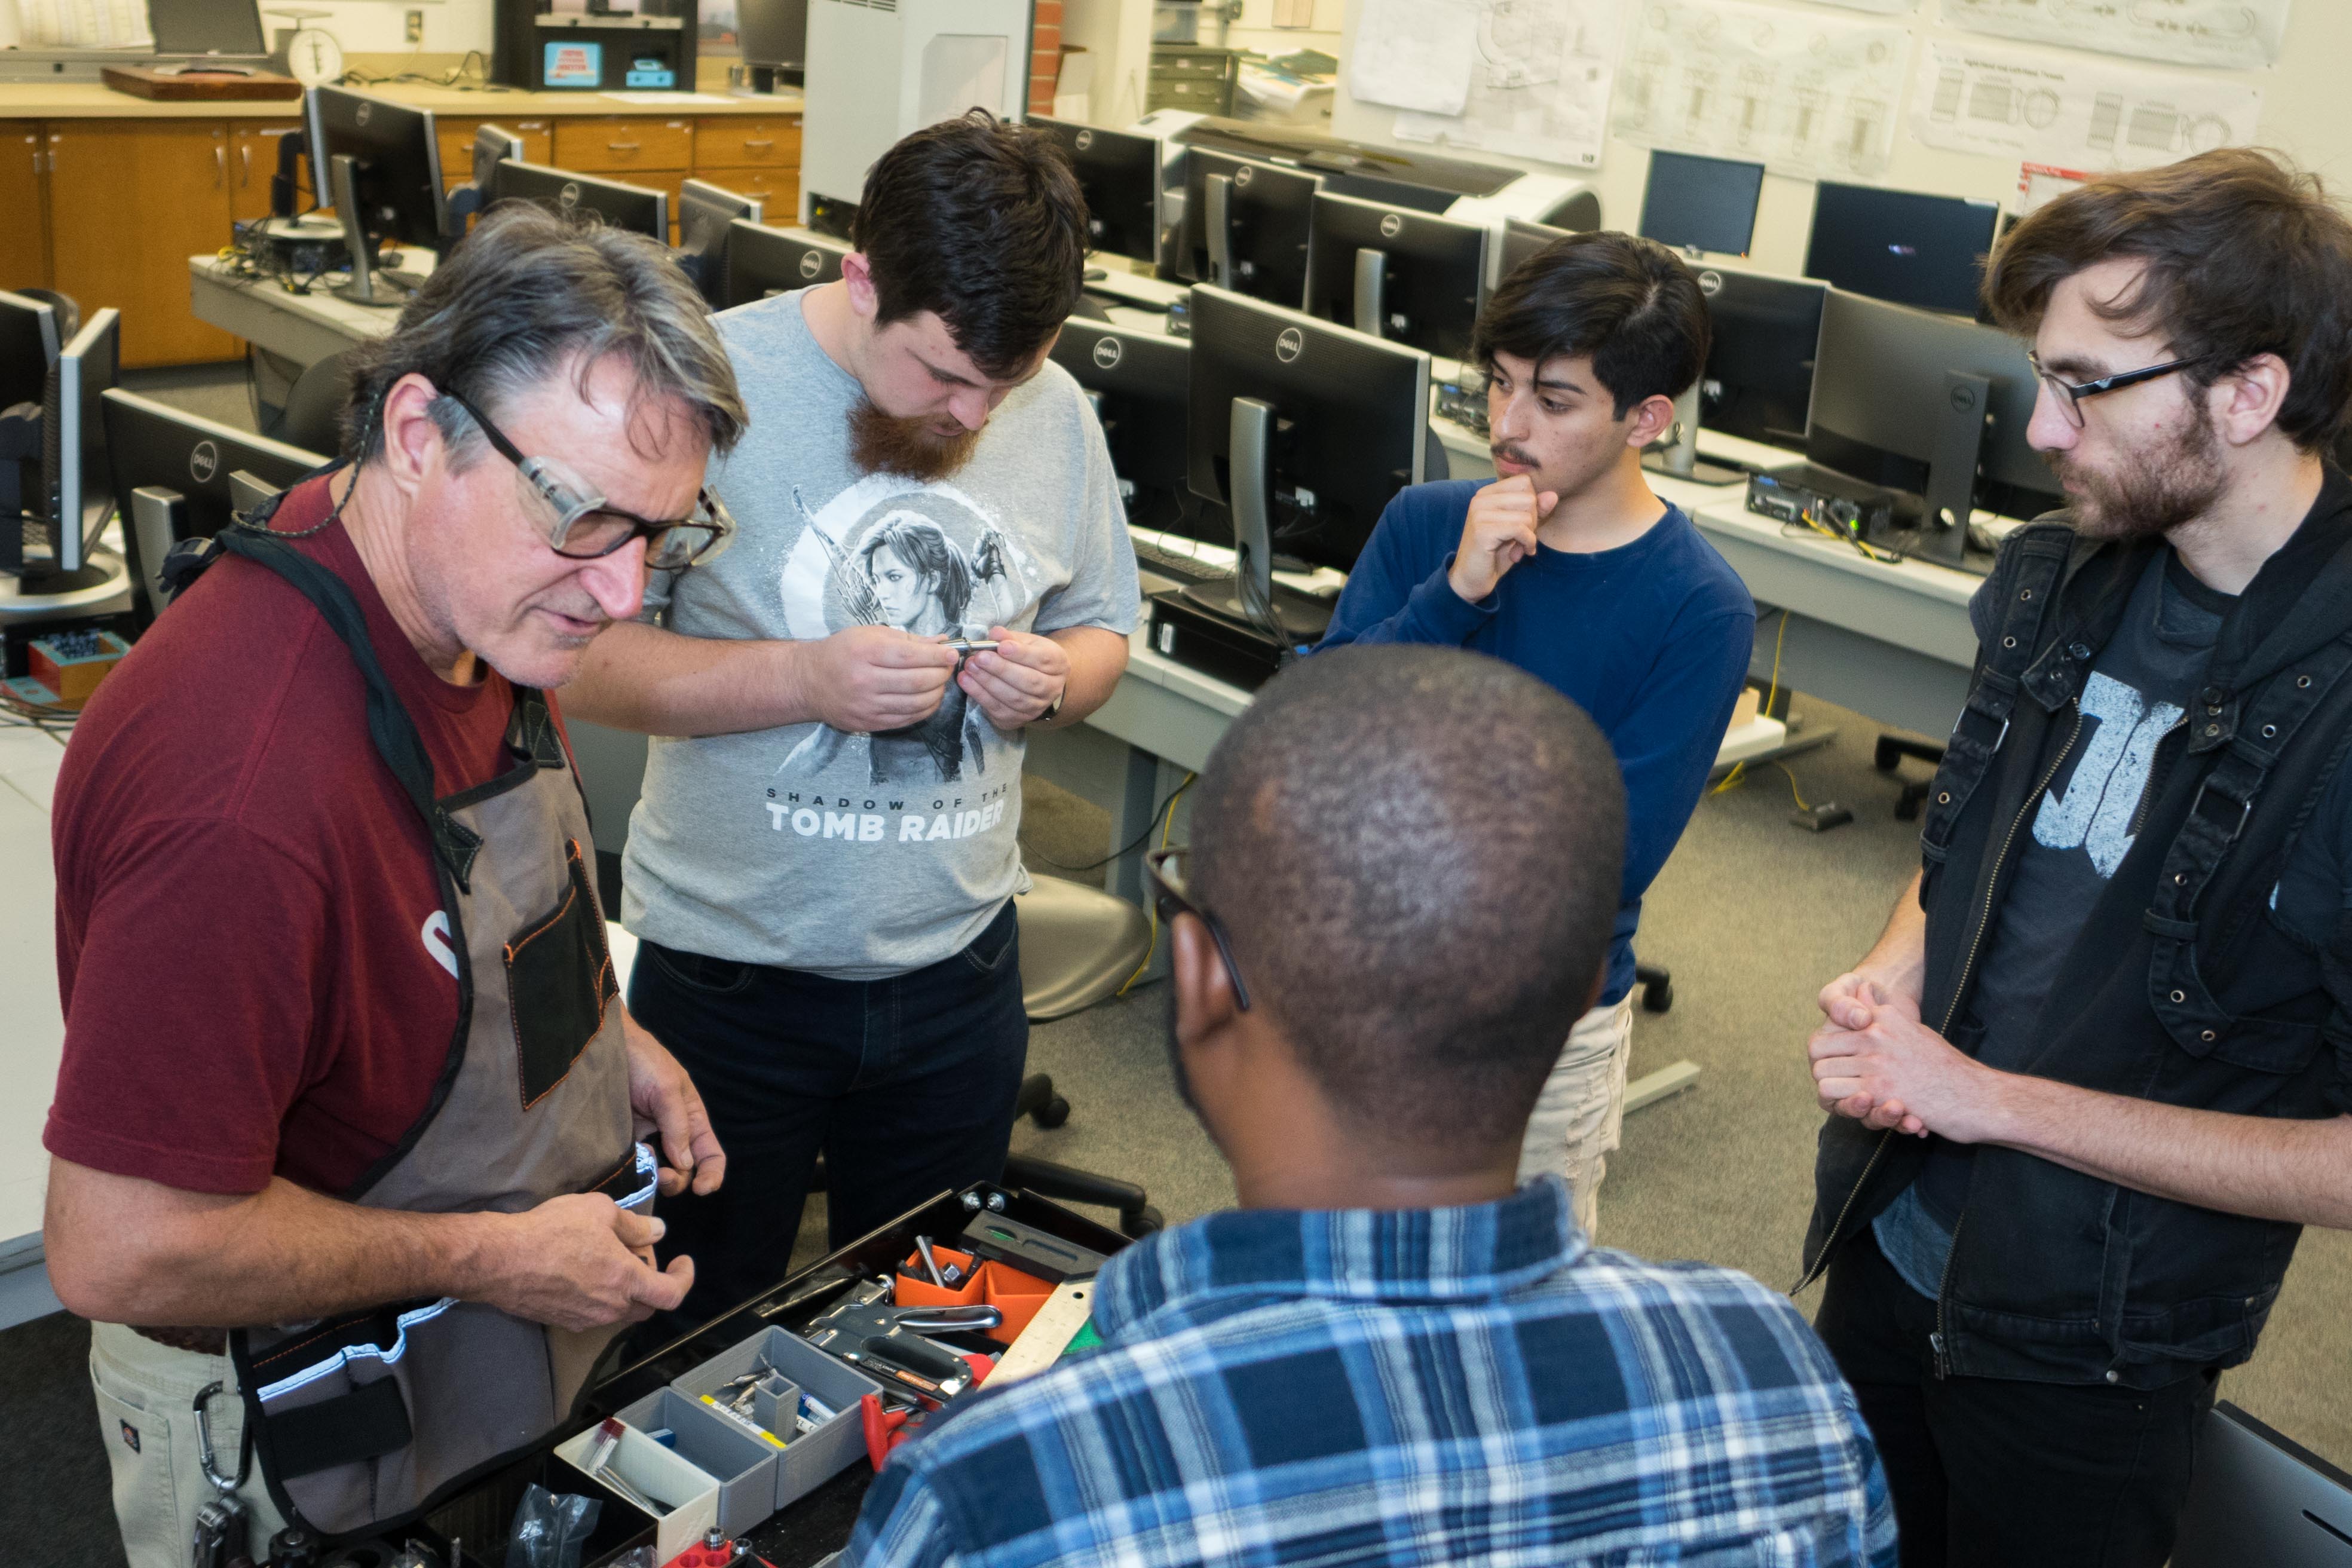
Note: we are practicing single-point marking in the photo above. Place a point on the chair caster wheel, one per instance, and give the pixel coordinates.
(1142, 1223)
(1053, 1113)
(1657, 996)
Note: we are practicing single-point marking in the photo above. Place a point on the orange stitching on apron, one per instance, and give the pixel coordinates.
(282, 1352)
(571, 858)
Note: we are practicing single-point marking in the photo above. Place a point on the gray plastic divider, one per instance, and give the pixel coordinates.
(744, 1464)
(809, 1459)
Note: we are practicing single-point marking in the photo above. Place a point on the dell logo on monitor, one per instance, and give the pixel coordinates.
(1391, 226)
(810, 263)
(204, 462)
(1109, 351)
(1288, 346)
(360, 111)
(1710, 282)
(1242, 177)
(1085, 139)
(569, 196)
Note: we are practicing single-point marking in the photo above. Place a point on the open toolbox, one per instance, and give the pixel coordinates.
(796, 1502)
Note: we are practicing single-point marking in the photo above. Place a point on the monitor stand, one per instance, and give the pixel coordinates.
(1958, 449)
(1676, 454)
(46, 595)
(1249, 596)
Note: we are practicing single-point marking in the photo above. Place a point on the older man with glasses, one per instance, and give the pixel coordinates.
(343, 1157)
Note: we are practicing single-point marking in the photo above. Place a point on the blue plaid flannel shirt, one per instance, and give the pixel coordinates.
(1465, 1385)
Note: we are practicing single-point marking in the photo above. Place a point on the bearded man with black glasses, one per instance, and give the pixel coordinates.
(2095, 1078)
(343, 1048)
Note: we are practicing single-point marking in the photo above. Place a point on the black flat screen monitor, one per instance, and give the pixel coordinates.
(29, 347)
(1261, 250)
(774, 35)
(1396, 274)
(761, 261)
(176, 475)
(75, 498)
(1881, 403)
(1140, 381)
(1346, 429)
(193, 28)
(1901, 246)
(567, 194)
(1522, 239)
(1701, 204)
(1758, 380)
(396, 163)
(1120, 176)
(706, 218)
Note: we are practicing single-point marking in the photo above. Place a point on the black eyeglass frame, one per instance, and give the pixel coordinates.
(571, 507)
(1170, 899)
(2070, 394)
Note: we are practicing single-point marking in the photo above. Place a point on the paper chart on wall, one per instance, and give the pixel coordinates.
(1539, 83)
(1415, 53)
(1883, 8)
(1802, 93)
(2072, 113)
(83, 23)
(2186, 32)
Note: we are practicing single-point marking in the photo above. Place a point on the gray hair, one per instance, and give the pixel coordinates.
(526, 292)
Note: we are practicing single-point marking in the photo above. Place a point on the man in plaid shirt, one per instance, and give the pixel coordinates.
(1399, 894)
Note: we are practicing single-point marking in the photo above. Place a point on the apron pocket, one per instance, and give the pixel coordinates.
(559, 981)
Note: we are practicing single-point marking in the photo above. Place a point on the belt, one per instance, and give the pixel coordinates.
(203, 1341)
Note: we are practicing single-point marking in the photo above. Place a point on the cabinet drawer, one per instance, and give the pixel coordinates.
(615, 145)
(778, 190)
(732, 144)
(456, 141)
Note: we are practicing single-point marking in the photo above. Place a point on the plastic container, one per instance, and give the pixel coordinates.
(1017, 1295)
(744, 1466)
(808, 1459)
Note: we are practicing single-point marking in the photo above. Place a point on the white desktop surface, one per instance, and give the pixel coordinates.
(29, 760)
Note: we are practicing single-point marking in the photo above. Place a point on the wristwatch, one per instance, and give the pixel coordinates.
(1054, 706)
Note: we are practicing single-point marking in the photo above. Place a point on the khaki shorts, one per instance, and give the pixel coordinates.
(146, 1416)
(1581, 1112)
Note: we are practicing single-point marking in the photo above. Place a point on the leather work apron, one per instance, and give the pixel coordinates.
(363, 1421)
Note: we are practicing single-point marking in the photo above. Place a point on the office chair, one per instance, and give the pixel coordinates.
(1890, 753)
(312, 417)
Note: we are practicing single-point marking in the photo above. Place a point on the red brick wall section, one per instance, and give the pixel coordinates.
(1044, 55)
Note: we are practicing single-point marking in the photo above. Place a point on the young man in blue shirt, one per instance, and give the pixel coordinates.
(1569, 566)
(1393, 1354)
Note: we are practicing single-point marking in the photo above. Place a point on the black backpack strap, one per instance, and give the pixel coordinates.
(389, 725)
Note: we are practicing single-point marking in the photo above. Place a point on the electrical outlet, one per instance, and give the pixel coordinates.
(416, 26)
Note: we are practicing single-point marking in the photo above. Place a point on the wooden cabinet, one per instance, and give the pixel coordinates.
(130, 201)
(23, 213)
(252, 160)
(620, 144)
(457, 140)
(758, 158)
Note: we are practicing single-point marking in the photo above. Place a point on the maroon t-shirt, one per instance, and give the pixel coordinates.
(255, 970)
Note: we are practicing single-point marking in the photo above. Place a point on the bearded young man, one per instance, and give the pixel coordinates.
(2094, 1078)
(822, 867)
(1570, 567)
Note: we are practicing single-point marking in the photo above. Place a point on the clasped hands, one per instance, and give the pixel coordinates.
(1875, 1060)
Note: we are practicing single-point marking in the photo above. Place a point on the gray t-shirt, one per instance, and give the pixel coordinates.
(848, 855)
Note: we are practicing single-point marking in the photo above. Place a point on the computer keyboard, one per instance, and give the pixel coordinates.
(1174, 563)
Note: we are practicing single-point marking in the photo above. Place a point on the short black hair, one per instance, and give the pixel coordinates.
(1415, 852)
(1628, 302)
(2245, 255)
(982, 221)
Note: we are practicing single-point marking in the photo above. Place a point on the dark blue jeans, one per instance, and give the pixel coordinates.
(905, 1085)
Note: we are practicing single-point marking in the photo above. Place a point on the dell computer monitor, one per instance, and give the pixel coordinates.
(567, 194)
(29, 347)
(774, 39)
(1139, 382)
(1701, 204)
(1884, 406)
(1396, 274)
(1246, 226)
(74, 498)
(706, 217)
(180, 476)
(761, 261)
(1120, 176)
(1304, 430)
(1758, 380)
(1901, 246)
(1522, 239)
(378, 165)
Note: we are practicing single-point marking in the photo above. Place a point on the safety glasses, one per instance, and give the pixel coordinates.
(2070, 394)
(1169, 899)
(580, 525)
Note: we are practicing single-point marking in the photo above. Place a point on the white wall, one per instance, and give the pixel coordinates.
(2303, 114)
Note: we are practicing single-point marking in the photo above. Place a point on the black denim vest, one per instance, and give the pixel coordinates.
(2181, 988)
